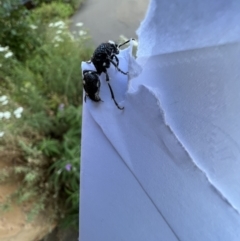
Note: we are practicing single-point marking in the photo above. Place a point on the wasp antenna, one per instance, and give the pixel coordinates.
(103, 57)
(120, 45)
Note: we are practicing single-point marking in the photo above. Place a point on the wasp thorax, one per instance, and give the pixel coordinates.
(103, 56)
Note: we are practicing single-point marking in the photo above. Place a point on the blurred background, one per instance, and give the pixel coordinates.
(42, 44)
(108, 19)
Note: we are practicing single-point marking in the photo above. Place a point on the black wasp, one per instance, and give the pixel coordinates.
(104, 55)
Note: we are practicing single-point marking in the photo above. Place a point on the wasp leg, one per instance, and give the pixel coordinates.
(117, 67)
(116, 58)
(112, 94)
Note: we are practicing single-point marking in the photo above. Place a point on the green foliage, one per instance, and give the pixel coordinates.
(47, 137)
(52, 11)
(73, 3)
(4, 175)
(15, 29)
(43, 169)
(67, 165)
(18, 25)
(52, 71)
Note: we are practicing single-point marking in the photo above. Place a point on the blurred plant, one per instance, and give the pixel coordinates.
(52, 11)
(15, 29)
(49, 168)
(52, 71)
(47, 137)
(7, 113)
(73, 3)
(18, 24)
(67, 165)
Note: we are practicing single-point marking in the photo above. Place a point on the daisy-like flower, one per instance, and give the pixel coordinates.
(3, 49)
(8, 55)
(81, 32)
(59, 24)
(18, 112)
(5, 102)
(33, 26)
(58, 39)
(62, 26)
(1, 133)
(79, 24)
(59, 31)
(6, 114)
(3, 98)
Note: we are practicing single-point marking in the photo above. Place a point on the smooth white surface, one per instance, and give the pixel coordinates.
(167, 166)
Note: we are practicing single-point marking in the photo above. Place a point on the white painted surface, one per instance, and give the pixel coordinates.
(167, 166)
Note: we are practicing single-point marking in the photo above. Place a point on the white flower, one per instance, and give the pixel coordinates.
(18, 116)
(3, 98)
(33, 26)
(56, 45)
(62, 26)
(2, 49)
(5, 102)
(50, 25)
(1, 133)
(59, 31)
(0, 65)
(8, 54)
(18, 112)
(59, 23)
(58, 39)
(81, 32)
(79, 24)
(59, 171)
(6, 114)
